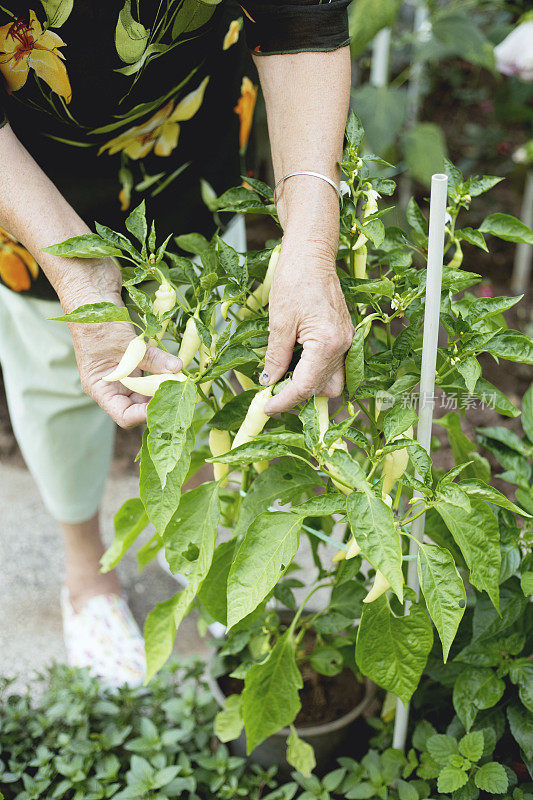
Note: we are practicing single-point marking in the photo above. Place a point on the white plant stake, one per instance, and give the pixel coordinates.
(437, 215)
(422, 33)
(524, 252)
(379, 68)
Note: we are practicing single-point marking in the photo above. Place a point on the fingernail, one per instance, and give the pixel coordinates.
(263, 378)
(173, 363)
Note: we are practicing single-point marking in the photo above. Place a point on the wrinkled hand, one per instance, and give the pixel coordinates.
(98, 350)
(306, 306)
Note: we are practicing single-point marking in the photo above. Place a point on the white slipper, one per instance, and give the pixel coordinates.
(104, 637)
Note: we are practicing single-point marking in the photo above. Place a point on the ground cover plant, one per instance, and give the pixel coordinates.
(73, 739)
(360, 463)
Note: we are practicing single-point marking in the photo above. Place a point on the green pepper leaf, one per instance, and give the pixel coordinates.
(229, 723)
(443, 590)
(395, 658)
(476, 532)
(161, 503)
(162, 623)
(374, 527)
(504, 226)
(300, 754)
(355, 362)
(474, 690)
(169, 416)
(270, 697)
(265, 554)
(96, 312)
(130, 521)
(232, 264)
(88, 245)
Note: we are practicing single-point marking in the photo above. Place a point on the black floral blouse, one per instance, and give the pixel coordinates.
(123, 99)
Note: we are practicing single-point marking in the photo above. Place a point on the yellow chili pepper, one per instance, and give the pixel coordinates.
(255, 419)
(352, 551)
(245, 382)
(259, 297)
(379, 587)
(267, 283)
(189, 343)
(338, 445)
(395, 464)
(133, 355)
(253, 303)
(225, 307)
(359, 262)
(322, 407)
(340, 555)
(165, 299)
(219, 443)
(371, 206)
(457, 259)
(206, 355)
(149, 384)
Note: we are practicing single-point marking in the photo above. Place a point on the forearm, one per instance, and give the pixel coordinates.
(35, 212)
(307, 98)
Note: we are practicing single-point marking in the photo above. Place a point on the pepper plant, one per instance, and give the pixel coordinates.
(360, 462)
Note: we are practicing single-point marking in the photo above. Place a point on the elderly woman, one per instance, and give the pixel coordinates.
(107, 104)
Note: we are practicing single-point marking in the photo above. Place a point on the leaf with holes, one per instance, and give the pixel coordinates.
(443, 590)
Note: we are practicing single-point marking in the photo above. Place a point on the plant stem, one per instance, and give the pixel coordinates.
(304, 603)
(415, 516)
(397, 496)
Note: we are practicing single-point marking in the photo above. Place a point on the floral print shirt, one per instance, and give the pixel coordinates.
(119, 100)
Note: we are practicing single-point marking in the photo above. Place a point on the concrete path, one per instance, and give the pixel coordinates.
(31, 566)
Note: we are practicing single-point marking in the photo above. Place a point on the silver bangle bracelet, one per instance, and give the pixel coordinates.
(313, 175)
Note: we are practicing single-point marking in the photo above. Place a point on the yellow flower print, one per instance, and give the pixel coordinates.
(160, 133)
(17, 266)
(232, 36)
(24, 45)
(245, 109)
(247, 14)
(124, 200)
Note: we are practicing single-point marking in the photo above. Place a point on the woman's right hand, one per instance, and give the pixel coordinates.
(100, 346)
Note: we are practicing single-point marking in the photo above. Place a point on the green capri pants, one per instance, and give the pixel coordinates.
(65, 438)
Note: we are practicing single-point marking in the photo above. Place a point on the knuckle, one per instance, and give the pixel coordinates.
(338, 340)
(336, 386)
(277, 329)
(273, 359)
(148, 359)
(306, 389)
(333, 342)
(347, 340)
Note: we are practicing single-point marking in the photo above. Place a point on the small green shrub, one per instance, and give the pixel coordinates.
(77, 741)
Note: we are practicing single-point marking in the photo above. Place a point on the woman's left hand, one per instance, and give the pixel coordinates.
(307, 307)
